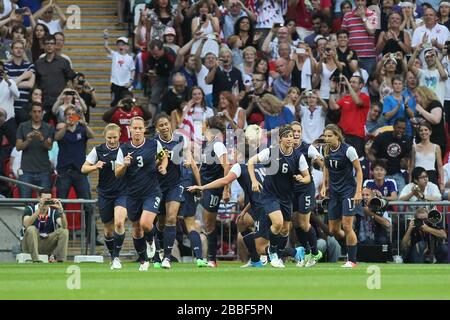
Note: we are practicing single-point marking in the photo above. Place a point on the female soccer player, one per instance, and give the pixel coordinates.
(214, 166)
(137, 163)
(277, 189)
(245, 221)
(111, 197)
(172, 189)
(305, 201)
(344, 192)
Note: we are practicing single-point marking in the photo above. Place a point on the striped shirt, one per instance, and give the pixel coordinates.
(14, 71)
(359, 38)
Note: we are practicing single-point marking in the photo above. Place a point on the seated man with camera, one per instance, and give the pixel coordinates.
(423, 241)
(45, 228)
(374, 225)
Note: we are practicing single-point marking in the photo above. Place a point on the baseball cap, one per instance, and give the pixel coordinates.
(170, 30)
(123, 39)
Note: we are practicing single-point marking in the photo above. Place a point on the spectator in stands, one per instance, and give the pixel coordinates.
(430, 109)
(380, 186)
(270, 46)
(316, 20)
(141, 42)
(22, 72)
(204, 20)
(411, 16)
(431, 32)
(372, 227)
(35, 96)
(86, 92)
(361, 24)
(247, 67)
(268, 13)
(423, 241)
(313, 116)
(19, 33)
(394, 39)
(394, 147)
(122, 68)
(275, 113)
(122, 114)
(52, 74)
(68, 98)
(8, 92)
(8, 6)
(289, 76)
(236, 12)
(292, 29)
(160, 65)
(233, 116)
(347, 57)
(386, 70)
(262, 67)
(305, 11)
(40, 32)
(444, 14)
(35, 139)
(47, 12)
(428, 156)
(161, 17)
(189, 64)
(169, 37)
(340, 10)
(174, 96)
(250, 102)
(375, 120)
(354, 108)
(326, 243)
(45, 228)
(72, 136)
(224, 77)
(327, 67)
(59, 46)
(183, 21)
(245, 29)
(420, 189)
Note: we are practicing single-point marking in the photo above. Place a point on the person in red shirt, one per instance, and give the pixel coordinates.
(122, 114)
(354, 108)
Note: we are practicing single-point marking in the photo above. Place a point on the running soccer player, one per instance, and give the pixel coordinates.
(305, 202)
(345, 193)
(214, 166)
(139, 162)
(245, 221)
(111, 197)
(277, 191)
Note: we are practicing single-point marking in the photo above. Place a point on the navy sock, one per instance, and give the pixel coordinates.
(273, 238)
(287, 252)
(141, 248)
(196, 244)
(118, 242)
(109, 242)
(249, 239)
(170, 233)
(149, 236)
(212, 245)
(351, 253)
(282, 242)
(159, 243)
(312, 239)
(302, 237)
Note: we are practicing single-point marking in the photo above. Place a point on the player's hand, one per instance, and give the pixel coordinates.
(99, 165)
(256, 186)
(299, 178)
(323, 192)
(162, 170)
(186, 163)
(357, 198)
(194, 188)
(127, 160)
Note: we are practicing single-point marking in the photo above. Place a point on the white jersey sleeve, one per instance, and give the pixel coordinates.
(92, 156)
(219, 149)
(313, 153)
(302, 164)
(264, 155)
(351, 154)
(119, 159)
(159, 147)
(236, 169)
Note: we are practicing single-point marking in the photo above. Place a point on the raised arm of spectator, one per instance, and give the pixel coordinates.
(105, 45)
(90, 134)
(12, 86)
(251, 15)
(333, 103)
(198, 53)
(433, 117)
(442, 73)
(412, 60)
(61, 129)
(62, 17)
(211, 74)
(179, 61)
(37, 15)
(352, 92)
(82, 103)
(266, 44)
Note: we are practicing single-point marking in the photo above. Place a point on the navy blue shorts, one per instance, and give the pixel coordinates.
(305, 202)
(136, 206)
(176, 194)
(341, 205)
(211, 199)
(262, 227)
(188, 207)
(271, 204)
(106, 207)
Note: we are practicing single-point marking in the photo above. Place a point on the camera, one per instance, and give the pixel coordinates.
(416, 188)
(434, 216)
(418, 223)
(70, 93)
(49, 202)
(220, 114)
(378, 205)
(203, 17)
(277, 25)
(20, 11)
(323, 206)
(82, 81)
(300, 51)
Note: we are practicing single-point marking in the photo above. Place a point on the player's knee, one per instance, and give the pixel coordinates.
(171, 221)
(334, 231)
(305, 225)
(277, 226)
(347, 227)
(119, 225)
(242, 225)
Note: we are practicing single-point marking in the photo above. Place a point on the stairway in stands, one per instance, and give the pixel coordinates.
(85, 48)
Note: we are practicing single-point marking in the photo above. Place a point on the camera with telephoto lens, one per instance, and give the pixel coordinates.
(323, 206)
(378, 205)
(49, 202)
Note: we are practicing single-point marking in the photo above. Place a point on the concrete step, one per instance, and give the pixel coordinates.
(74, 39)
(88, 3)
(78, 61)
(93, 11)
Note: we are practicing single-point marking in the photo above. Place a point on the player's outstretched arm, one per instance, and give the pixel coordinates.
(256, 186)
(89, 167)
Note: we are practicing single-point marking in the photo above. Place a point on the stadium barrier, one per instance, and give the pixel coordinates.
(85, 247)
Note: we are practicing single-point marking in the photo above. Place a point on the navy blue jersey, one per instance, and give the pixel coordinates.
(241, 171)
(174, 150)
(211, 169)
(340, 169)
(310, 153)
(142, 175)
(108, 185)
(280, 183)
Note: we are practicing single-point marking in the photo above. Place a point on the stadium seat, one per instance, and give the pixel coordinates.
(73, 218)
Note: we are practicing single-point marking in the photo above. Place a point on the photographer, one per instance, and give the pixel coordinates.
(86, 92)
(45, 226)
(250, 102)
(373, 226)
(68, 97)
(122, 114)
(423, 241)
(420, 189)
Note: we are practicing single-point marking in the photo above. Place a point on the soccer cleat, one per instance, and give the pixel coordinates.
(212, 264)
(302, 263)
(257, 264)
(314, 259)
(277, 263)
(165, 263)
(263, 259)
(299, 254)
(144, 266)
(151, 249)
(349, 264)
(201, 263)
(156, 265)
(51, 259)
(116, 264)
(248, 264)
(273, 256)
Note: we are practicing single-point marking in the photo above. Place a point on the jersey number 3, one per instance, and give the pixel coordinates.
(140, 161)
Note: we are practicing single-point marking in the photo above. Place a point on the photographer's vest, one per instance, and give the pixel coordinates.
(48, 225)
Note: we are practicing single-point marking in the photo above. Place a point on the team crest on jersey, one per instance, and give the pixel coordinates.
(394, 150)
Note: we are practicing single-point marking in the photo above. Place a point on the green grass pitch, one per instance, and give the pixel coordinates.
(228, 281)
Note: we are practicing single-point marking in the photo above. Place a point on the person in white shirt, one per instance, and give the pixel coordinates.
(47, 12)
(420, 189)
(8, 92)
(122, 69)
(313, 116)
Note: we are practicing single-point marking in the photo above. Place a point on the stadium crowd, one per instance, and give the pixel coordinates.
(378, 70)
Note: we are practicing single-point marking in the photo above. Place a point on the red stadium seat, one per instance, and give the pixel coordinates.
(73, 218)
